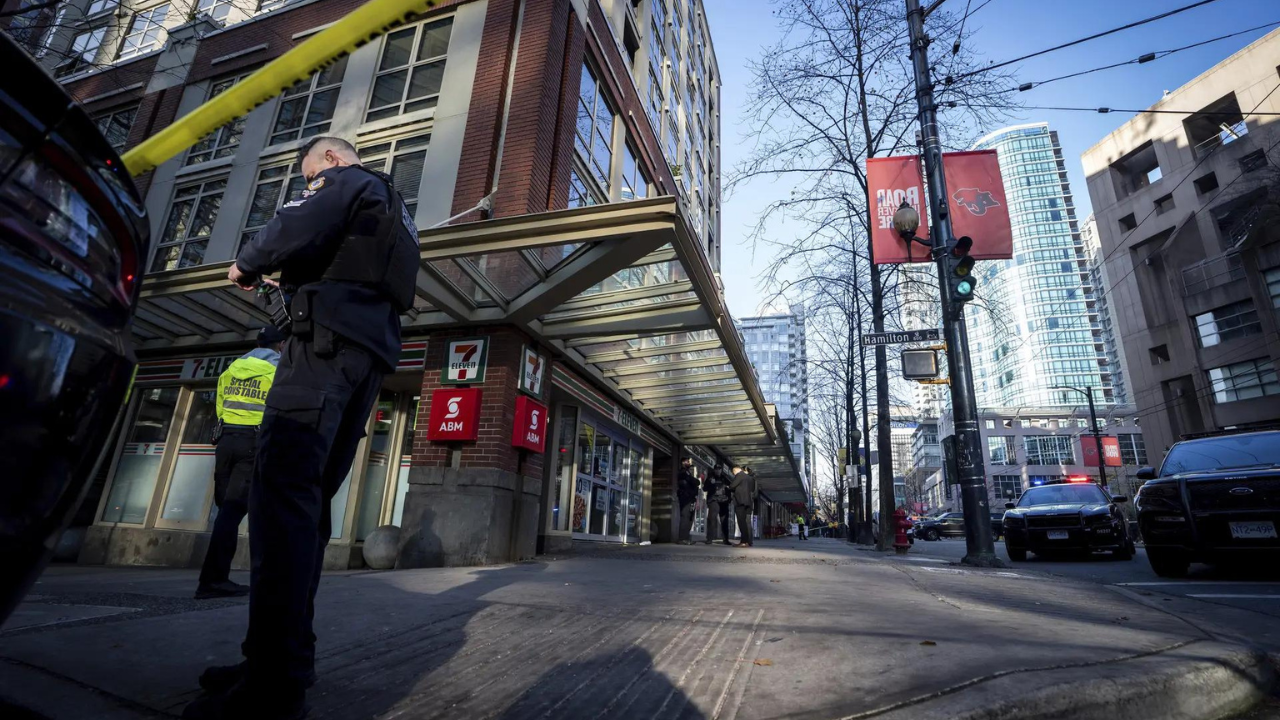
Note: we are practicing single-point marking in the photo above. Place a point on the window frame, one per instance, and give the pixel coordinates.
(109, 116)
(410, 68)
(227, 137)
(589, 161)
(1261, 367)
(395, 152)
(312, 90)
(1043, 456)
(139, 48)
(200, 194)
(292, 171)
(1208, 325)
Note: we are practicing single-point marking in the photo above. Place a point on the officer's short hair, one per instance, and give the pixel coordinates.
(326, 142)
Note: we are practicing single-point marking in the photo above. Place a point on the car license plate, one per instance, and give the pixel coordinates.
(1058, 534)
(1253, 530)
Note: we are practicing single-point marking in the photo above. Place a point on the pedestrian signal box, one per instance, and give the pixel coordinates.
(920, 364)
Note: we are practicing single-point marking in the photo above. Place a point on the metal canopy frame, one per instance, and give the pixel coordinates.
(623, 293)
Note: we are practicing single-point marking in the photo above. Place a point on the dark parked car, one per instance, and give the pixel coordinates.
(952, 525)
(73, 234)
(1076, 516)
(1214, 498)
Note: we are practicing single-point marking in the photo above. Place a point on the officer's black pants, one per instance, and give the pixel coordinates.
(715, 528)
(315, 417)
(686, 522)
(232, 478)
(744, 522)
(803, 536)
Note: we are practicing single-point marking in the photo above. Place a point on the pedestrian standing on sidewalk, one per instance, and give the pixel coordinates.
(348, 257)
(743, 486)
(717, 506)
(800, 526)
(687, 495)
(241, 400)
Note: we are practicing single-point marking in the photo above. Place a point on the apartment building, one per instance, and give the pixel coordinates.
(1186, 205)
(776, 346)
(562, 160)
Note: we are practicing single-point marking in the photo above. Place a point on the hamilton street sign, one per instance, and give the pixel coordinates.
(897, 338)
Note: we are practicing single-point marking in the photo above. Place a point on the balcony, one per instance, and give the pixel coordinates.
(1211, 273)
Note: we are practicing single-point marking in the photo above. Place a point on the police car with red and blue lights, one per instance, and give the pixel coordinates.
(1070, 515)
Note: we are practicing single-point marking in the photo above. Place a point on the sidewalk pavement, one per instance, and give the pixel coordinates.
(787, 629)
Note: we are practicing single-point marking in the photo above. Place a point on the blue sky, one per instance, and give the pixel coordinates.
(1004, 29)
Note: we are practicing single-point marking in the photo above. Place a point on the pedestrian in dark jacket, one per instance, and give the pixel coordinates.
(743, 488)
(687, 495)
(717, 506)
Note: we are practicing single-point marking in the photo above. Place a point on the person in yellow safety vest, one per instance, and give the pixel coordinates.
(800, 525)
(242, 398)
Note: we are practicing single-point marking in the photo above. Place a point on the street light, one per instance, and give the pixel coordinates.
(1093, 424)
(906, 220)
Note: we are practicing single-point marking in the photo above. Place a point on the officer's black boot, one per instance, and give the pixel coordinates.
(243, 700)
(224, 589)
(221, 678)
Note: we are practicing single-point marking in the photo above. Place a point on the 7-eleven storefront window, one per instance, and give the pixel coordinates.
(141, 459)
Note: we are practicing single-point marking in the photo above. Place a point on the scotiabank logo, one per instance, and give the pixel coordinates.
(455, 415)
(454, 406)
(976, 201)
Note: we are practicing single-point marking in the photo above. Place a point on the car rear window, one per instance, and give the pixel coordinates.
(1220, 453)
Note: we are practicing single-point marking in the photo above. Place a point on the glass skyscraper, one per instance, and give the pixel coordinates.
(1035, 324)
(775, 345)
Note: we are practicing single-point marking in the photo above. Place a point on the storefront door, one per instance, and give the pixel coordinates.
(608, 496)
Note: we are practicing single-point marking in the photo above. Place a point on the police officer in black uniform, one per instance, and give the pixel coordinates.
(347, 254)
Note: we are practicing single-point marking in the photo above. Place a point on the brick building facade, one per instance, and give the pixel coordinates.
(561, 158)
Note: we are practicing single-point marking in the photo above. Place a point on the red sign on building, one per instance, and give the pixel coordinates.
(1110, 451)
(530, 430)
(455, 414)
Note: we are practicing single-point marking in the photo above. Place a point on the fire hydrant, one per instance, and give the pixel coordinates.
(900, 525)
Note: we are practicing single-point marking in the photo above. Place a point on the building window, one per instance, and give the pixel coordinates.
(655, 100)
(405, 159)
(138, 468)
(115, 126)
(1000, 449)
(1007, 487)
(672, 135)
(216, 9)
(1049, 450)
(146, 32)
(1272, 277)
(411, 70)
(1244, 380)
(991, 424)
(594, 137)
(1229, 322)
(190, 223)
(581, 193)
(1025, 422)
(276, 186)
(307, 107)
(634, 184)
(1253, 161)
(1133, 449)
(222, 142)
(1135, 171)
(82, 53)
(98, 6)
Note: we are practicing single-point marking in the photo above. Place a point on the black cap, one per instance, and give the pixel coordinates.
(270, 335)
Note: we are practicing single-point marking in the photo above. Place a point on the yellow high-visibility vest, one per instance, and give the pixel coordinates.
(242, 391)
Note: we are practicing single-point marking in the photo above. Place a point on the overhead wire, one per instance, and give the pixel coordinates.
(1073, 43)
(1145, 57)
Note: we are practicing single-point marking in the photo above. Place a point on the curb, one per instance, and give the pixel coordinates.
(1200, 680)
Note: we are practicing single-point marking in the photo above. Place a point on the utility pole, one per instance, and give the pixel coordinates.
(973, 486)
(1093, 425)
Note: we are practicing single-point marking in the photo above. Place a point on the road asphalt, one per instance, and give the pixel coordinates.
(788, 629)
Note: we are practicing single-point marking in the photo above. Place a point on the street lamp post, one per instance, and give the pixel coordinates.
(1093, 425)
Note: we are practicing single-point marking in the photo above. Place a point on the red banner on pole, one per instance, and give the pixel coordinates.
(978, 205)
(890, 181)
(1110, 451)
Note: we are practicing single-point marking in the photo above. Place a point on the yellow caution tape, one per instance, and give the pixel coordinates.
(367, 22)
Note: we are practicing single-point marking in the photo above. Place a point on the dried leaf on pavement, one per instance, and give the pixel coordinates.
(763, 661)
(930, 643)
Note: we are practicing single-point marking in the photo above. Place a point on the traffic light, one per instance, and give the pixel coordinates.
(960, 279)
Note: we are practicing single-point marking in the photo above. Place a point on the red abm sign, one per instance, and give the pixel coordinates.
(890, 182)
(1110, 451)
(455, 414)
(530, 429)
(979, 210)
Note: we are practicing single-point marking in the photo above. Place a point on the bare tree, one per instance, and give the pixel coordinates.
(836, 90)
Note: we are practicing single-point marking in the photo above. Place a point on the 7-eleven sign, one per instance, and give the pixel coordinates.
(465, 361)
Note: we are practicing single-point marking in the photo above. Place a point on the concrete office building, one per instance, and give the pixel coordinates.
(591, 127)
(926, 461)
(1043, 329)
(1111, 342)
(775, 344)
(1031, 446)
(1186, 207)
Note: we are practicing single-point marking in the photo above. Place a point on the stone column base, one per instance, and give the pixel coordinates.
(468, 516)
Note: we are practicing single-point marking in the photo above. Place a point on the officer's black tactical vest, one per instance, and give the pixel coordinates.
(381, 250)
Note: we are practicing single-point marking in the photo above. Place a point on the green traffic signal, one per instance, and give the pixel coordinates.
(961, 280)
